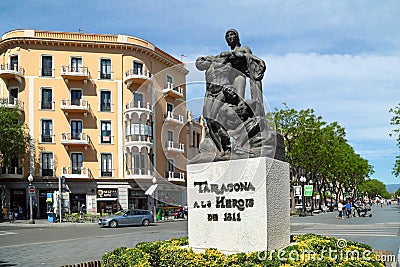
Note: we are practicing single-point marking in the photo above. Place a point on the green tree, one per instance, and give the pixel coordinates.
(374, 188)
(395, 121)
(14, 138)
(397, 194)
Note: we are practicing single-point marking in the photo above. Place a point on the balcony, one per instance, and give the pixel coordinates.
(12, 172)
(9, 72)
(75, 139)
(136, 76)
(174, 176)
(172, 118)
(139, 173)
(170, 90)
(12, 103)
(75, 106)
(174, 147)
(71, 73)
(138, 141)
(138, 107)
(77, 172)
(46, 138)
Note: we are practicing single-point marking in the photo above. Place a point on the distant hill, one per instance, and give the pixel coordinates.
(391, 188)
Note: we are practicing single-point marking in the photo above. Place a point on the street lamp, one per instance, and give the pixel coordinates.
(30, 180)
(302, 181)
(331, 189)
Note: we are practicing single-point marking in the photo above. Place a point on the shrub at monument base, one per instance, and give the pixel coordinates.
(308, 250)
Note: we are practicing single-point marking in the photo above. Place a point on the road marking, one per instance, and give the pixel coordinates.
(7, 233)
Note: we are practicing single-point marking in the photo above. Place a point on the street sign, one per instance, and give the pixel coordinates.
(308, 190)
(297, 191)
(31, 189)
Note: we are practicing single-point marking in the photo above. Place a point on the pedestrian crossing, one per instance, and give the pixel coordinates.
(7, 233)
(348, 230)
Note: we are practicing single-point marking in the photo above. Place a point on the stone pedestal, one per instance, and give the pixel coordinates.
(239, 205)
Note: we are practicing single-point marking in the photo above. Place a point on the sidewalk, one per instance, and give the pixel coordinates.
(44, 223)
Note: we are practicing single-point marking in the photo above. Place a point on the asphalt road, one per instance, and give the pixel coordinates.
(57, 246)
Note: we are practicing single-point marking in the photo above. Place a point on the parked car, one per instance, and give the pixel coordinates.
(127, 217)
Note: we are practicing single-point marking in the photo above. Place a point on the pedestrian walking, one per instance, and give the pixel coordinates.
(348, 208)
(340, 210)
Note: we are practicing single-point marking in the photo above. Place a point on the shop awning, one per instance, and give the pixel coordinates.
(151, 189)
(107, 199)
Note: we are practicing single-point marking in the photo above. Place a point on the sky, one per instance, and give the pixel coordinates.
(339, 57)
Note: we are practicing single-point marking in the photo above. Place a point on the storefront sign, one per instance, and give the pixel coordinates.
(107, 193)
(308, 190)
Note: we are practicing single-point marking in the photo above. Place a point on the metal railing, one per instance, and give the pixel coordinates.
(139, 171)
(170, 87)
(81, 171)
(12, 170)
(138, 138)
(138, 72)
(47, 138)
(106, 172)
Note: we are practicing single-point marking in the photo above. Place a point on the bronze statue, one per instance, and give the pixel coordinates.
(235, 125)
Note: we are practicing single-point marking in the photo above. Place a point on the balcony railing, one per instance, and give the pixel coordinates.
(171, 146)
(138, 106)
(75, 106)
(45, 72)
(173, 118)
(174, 176)
(49, 105)
(106, 172)
(106, 139)
(17, 172)
(135, 172)
(12, 103)
(76, 139)
(76, 172)
(138, 138)
(47, 138)
(8, 71)
(75, 73)
(176, 92)
(47, 172)
(137, 76)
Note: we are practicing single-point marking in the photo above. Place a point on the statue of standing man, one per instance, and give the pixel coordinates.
(235, 125)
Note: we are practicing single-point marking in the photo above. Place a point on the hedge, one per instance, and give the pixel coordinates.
(308, 250)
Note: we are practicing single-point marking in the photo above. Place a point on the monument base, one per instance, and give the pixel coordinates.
(239, 205)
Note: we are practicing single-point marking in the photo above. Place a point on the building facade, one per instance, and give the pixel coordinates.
(106, 114)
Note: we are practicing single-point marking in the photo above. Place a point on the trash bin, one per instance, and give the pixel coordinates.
(50, 217)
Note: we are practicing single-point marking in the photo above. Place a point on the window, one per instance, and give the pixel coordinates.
(170, 107)
(47, 99)
(105, 68)
(14, 62)
(170, 165)
(106, 165)
(76, 130)
(13, 99)
(47, 164)
(76, 64)
(76, 96)
(137, 68)
(106, 132)
(76, 163)
(170, 81)
(170, 136)
(105, 101)
(47, 131)
(137, 100)
(47, 66)
(139, 163)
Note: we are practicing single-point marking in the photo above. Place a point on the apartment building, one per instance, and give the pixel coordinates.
(107, 117)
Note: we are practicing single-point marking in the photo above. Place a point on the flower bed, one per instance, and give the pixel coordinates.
(308, 250)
